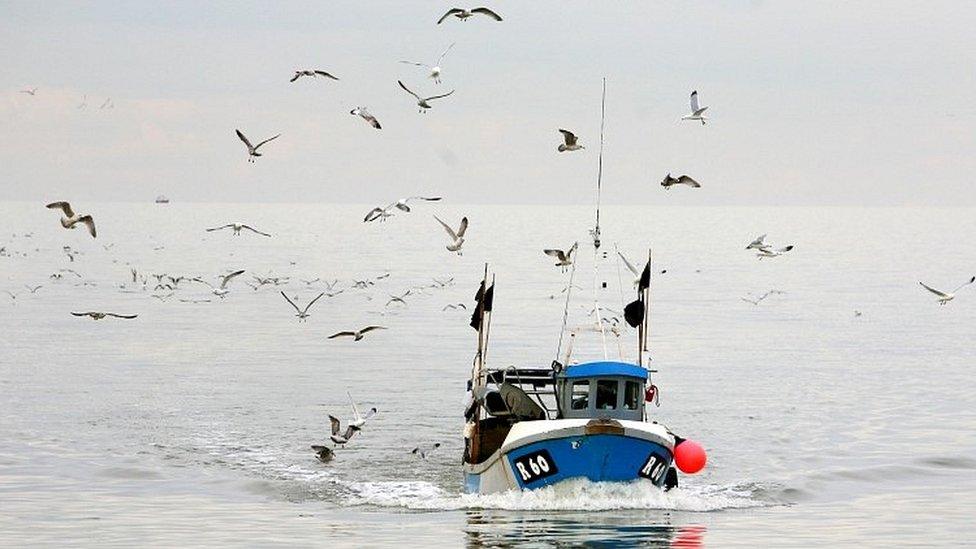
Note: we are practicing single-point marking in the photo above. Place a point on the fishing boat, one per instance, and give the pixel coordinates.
(527, 427)
(161, 199)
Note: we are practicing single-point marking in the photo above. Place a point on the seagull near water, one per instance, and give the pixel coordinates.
(669, 181)
(569, 142)
(344, 438)
(435, 70)
(252, 150)
(457, 238)
(364, 114)
(70, 218)
(564, 259)
(96, 315)
(221, 291)
(696, 111)
(422, 102)
(311, 73)
(423, 451)
(357, 334)
(758, 243)
(237, 226)
(464, 14)
(768, 251)
(302, 314)
(30, 91)
(945, 297)
(402, 205)
(359, 420)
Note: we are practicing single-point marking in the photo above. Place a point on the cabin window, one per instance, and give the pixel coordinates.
(581, 395)
(606, 394)
(632, 391)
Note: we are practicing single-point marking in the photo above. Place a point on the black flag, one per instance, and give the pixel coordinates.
(483, 299)
(645, 279)
(634, 313)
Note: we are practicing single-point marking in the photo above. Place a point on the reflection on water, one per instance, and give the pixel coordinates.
(575, 529)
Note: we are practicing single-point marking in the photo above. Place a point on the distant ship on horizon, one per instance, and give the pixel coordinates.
(161, 199)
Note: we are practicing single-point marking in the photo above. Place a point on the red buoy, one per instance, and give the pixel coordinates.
(689, 456)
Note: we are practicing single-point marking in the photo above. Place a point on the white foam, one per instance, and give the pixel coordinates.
(571, 495)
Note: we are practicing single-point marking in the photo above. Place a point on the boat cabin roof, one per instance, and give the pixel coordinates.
(605, 369)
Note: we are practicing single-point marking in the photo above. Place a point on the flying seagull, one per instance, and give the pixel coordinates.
(311, 73)
(426, 450)
(30, 91)
(358, 334)
(221, 291)
(398, 298)
(324, 453)
(631, 268)
(669, 181)
(454, 306)
(435, 71)
(564, 259)
(402, 205)
(422, 102)
(457, 238)
(345, 437)
(696, 111)
(768, 251)
(360, 420)
(237, 226)
(757, 300)
(364, 114)
(302, 313)
(463, 14)
(945, 297)
(758, 243)
(252, 150)
(570, 142)
(98, 315)
(70, 218)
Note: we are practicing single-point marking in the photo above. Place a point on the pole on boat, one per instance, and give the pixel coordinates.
(647, 306)
(477, 370)
(599, 174)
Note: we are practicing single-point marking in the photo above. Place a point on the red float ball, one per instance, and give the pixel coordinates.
(690, 457)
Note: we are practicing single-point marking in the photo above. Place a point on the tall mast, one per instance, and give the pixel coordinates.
(599, 176)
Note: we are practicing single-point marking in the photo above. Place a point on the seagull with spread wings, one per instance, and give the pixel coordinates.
(402, 205)
(222, 290)
(345, 437)
(769, 251)
(570, 142)
(422, 102)
(369, 118)
(758, 243)
(435, 70)
(302, 314)
(945, 297)
(359, 420)
(252, 150)
(70, 218)
(464, 14)
(696, 111)
(312, 74)
(356, 334)
(669, 181)
(457, 238)
(237, 226)
(563, 259)
(96, 315)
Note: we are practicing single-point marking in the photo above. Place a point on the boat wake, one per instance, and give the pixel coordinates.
(571, 495)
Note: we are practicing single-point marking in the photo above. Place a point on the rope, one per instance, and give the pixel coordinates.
(562, 330)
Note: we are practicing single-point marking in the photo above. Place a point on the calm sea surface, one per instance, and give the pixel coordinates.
(191, 425)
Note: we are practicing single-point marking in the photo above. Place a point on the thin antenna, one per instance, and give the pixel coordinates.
(599, 176)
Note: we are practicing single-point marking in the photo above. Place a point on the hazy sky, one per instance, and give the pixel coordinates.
(810, 102)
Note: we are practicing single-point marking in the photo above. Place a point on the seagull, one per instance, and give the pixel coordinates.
(222, 290)
(424, 451)
(345, 437)
(364, 114)
(680, 180)
(457, 238)
(302, 313)
(401, 204)
(768, 251)
(309, 282)
(463, 14)
(358, 334)
(857, 313)
(34, 289)
(324, 453)
(435, 71)
(398, 299)
(565, 259)
(422, 102)
(696, 111)
(312, 73)
(70, 218)
(98, 316)
(631, 268)
(360, 420)
(252, 150)
(758, 243)
(107, 104)
(442, 283)
(237, 226)
(454, 307)
(570, 142)
(758, 299)
(12, 295)
(30, 91)
(947, 297)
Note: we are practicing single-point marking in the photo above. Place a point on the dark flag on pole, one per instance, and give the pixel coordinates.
(634, 313)
(645, 278)
(483, 299)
